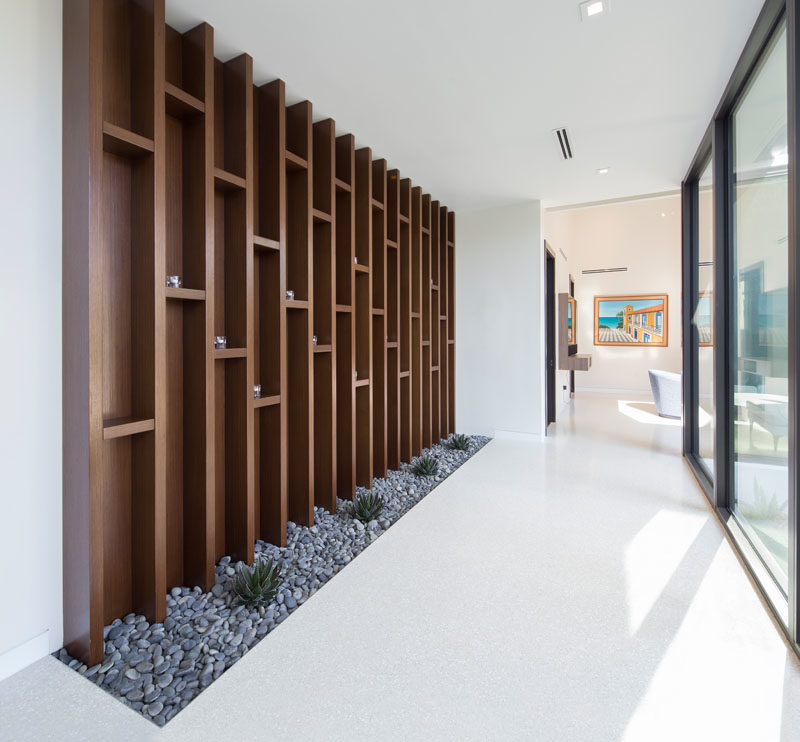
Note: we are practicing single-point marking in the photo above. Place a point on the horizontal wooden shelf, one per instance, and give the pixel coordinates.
(265, 243)
(185, 294)
(342, 186)
(295, 162)
(222, 353)
(443, 317)
(426, 343)
(125, 143)
(270, 401)
(120, 427)
(434, 287)
(323, 348)
(405, 219)
(450, 243)
(451, 342)
(392, 344)
(342, 308)
(361, 383)
(434, 368)
(415, 315)
(225, 181)
(296, 304)
(426, 230)
(321, 216)
(378, 312)
(181, 104)
(361, 268)
(391, 243)
(377, 204)
(405, 374)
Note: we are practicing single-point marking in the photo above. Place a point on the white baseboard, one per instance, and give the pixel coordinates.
(514, 435)
(599, 390)
(24, 654)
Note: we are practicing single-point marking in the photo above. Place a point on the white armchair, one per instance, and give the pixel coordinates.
(666, 387)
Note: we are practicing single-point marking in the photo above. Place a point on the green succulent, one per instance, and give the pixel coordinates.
(426, 466)
(367, 506)
(459, 442)
(256, 586)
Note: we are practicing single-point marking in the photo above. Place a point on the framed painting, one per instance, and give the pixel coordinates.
(631, 320)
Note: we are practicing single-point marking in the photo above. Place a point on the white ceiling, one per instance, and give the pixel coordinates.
(462, 95)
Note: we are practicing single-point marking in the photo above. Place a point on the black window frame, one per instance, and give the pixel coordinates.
(717, 144)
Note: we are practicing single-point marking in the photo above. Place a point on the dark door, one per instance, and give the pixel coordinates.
(572, 373)
(550, 330)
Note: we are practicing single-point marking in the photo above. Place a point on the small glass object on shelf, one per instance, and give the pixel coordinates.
(174, 282)
(257, 391)
(289, 295)
(220, 342)
(314, 339)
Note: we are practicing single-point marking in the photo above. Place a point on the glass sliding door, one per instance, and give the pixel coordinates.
(759, 411)
(702, 319)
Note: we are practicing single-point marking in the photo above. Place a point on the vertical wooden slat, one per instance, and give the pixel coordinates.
(378, 273)
(272, 449)
(393, 456)
(324, 327)
(299, 259)
(406, 324)
(362, 191)
(345, 317)
(416, 320)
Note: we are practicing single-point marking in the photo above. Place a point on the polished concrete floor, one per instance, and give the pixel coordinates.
(574, 589)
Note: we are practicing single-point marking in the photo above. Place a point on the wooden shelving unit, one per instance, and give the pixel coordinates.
(179, 165)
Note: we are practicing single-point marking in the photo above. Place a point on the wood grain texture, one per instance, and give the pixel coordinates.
(169, 460)
(324, 327)
(299, 257)
(362, 192)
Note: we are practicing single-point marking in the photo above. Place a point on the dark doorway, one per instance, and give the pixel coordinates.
(572, 373)
(550, 332)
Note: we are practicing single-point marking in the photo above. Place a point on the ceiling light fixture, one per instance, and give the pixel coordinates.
(591, 8)
(603, 170)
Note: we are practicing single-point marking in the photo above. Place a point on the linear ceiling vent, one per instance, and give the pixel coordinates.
(603, 270)
(564, 144)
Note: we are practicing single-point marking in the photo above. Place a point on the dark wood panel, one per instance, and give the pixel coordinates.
(193, 171)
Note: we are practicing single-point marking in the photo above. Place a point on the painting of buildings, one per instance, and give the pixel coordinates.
(631, 320)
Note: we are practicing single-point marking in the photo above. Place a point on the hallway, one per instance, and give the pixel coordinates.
(573, 589)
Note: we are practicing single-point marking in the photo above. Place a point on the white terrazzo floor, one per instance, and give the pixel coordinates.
(575, 589)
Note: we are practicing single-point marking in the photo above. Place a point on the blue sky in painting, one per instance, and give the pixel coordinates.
(611, 308)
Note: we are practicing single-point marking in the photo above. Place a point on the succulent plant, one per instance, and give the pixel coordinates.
(367, 506)
(426, 466)
(459, 442)
(255, 586)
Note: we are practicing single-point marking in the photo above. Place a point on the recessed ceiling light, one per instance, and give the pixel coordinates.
(592, 8)
(603, 170)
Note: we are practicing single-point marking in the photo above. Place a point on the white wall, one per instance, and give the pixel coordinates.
(499, 320)
(30, 304)
(645, 237)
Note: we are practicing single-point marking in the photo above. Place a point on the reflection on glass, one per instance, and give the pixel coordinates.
(760, 337)
(703, 314)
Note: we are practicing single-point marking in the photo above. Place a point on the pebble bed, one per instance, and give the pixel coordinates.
(157, 669)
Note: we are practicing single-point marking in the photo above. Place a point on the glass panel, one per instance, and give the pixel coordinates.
(703, 314)
(760, 337)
